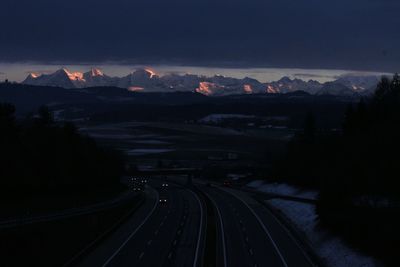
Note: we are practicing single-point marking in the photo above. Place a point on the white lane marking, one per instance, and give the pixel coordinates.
(196, 256)
(251, 251)
(133, 233)
(222, 228)
(292, 237)
(141, 255)
(262, 225)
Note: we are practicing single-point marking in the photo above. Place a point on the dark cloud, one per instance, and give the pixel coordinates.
(357, 34)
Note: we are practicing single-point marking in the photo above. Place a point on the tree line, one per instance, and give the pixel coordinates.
(355, 169)
(41, 157)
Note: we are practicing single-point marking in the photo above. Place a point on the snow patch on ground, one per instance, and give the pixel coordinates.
(332, 250)
(282, 189)
(255, 183)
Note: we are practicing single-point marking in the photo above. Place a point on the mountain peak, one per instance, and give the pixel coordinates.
(62, 71)
(146, 72)
(33, 75)
(285, 79)
(96, 72)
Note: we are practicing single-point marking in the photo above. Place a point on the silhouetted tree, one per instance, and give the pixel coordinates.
(7, 118)
(45, 116)
(383, 90)
(39, 157)
(348, 119)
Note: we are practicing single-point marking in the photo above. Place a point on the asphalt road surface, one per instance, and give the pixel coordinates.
(250, 235)
(158, 234)
(174, 233)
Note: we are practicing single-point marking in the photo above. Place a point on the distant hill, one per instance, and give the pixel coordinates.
(119, 104)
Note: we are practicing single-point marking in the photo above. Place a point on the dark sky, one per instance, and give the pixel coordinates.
(345, 34)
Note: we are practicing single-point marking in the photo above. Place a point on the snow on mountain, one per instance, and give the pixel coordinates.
(181, 82)
(142, 80)
(287, 85)
(207, 88)
(96, 77)
(220, 85)
(60, 78)
(346, 85)
(336, 89)
(359, 82)
(147, 80)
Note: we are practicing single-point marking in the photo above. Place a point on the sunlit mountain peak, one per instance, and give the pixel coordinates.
(151, 72)
(73, 76)
(96, 72)
(34, 75)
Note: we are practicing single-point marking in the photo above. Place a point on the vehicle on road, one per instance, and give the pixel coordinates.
(163, 201)
(137, 188)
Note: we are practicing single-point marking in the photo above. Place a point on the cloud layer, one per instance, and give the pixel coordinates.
(358, 34)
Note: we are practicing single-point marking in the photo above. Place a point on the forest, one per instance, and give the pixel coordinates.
(39, 158)
(356, 170)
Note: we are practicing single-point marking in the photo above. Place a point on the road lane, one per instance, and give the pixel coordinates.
(171, 235)
(288, 245)
(245, 243)
(249, 241)
(190, 249)
(104, 250)
(159, 230)
(220, 242)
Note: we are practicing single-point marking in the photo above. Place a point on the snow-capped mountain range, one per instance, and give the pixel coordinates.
(146, 80)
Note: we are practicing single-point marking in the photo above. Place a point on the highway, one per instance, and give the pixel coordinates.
(158, 234)
(174, 233)
(250, 235)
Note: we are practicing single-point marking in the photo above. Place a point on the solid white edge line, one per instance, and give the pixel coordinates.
(262, 225)
(196, 256)
(133, 233)
(291, 236)
(222, 228)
